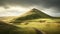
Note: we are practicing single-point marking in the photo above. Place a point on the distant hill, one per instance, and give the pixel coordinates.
(30, 15)
(7, 18)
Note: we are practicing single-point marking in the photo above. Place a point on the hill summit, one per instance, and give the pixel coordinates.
(30, 15)
(36, 13)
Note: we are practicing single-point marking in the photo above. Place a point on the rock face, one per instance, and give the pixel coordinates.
(32, 14)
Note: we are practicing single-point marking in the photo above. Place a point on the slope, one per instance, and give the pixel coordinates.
(30, 15)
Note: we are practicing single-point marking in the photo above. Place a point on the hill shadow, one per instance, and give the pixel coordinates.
(8, 29)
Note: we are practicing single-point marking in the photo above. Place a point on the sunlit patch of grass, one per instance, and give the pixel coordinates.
(49, 27)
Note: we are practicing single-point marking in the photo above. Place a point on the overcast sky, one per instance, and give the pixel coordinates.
(10, 7)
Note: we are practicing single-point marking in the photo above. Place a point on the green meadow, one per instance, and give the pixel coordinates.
(36, 26)
(46, 26)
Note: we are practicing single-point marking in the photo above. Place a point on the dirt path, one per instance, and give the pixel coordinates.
(38, 31)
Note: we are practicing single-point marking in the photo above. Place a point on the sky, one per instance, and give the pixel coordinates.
(17, 7)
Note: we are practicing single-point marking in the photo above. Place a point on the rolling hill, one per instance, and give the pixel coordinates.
(30, 15)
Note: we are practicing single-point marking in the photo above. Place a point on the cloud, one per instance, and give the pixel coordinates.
(41, 4)
(46, 3)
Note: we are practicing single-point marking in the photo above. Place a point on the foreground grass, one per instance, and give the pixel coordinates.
(38, 26)
(47, 27)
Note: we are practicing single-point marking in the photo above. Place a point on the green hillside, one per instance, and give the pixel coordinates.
(30, 15)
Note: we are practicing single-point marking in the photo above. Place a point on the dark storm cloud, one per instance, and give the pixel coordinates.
(26, 3)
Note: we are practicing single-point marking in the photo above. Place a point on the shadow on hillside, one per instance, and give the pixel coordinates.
(8, 29)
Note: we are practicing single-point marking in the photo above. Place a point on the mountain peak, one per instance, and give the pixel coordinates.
(34, 9)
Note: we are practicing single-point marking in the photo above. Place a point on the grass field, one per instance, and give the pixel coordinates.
(36, 26)
(46, 26)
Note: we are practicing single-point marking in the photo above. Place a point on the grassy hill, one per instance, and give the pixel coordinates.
(30, 15)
